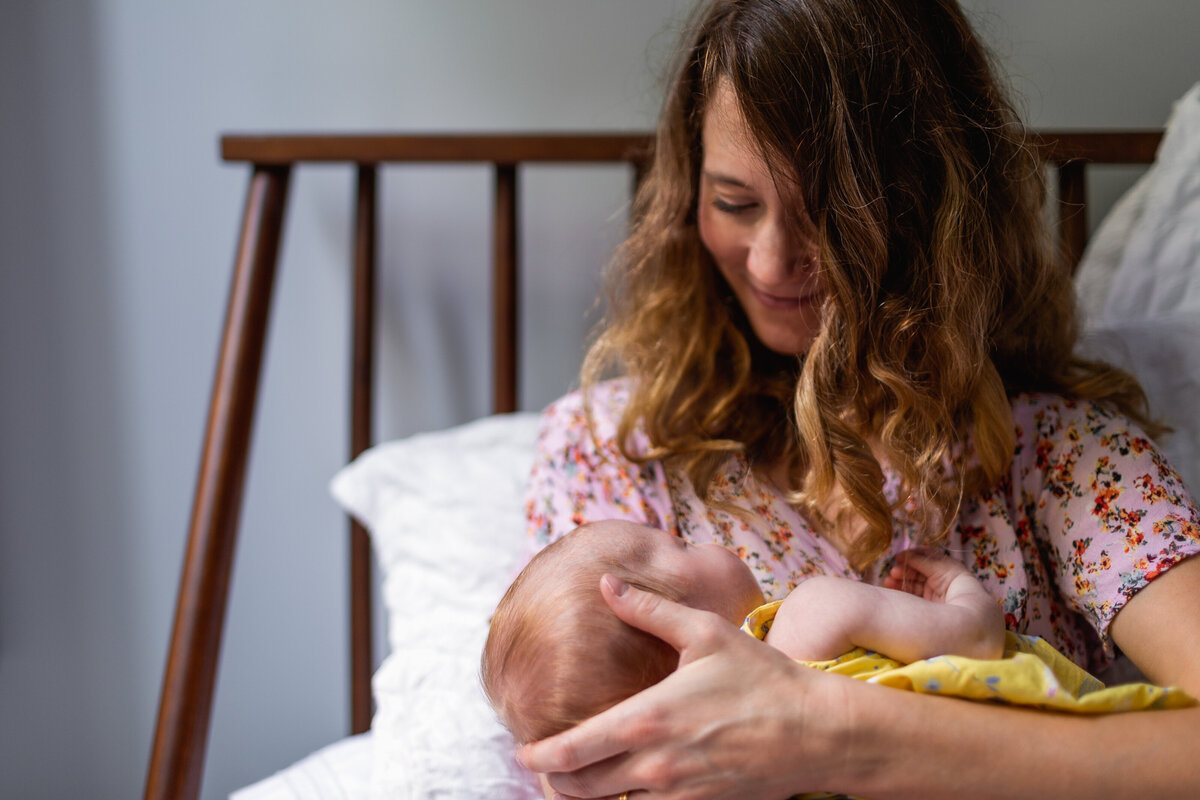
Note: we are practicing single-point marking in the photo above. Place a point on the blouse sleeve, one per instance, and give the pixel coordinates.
(1110, 512)
(579, 474)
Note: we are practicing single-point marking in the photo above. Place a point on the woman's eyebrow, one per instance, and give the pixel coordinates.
(720, 177)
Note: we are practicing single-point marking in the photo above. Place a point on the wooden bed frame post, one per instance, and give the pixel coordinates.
(181, 735)
(362, 383)
(1072, 211)
(504, 290)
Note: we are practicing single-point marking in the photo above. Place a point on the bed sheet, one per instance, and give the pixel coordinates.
(340, 771)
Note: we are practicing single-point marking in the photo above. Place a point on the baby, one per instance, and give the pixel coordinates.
(556, 654)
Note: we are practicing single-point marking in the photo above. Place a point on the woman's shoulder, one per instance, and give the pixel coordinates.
(1043, 403)
(581, 474)
(1086, 441)
(592, 416)
(1053, 417)
(607, 400)
(1090, 490)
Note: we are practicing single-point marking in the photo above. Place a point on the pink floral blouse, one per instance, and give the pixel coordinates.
(1089, 513)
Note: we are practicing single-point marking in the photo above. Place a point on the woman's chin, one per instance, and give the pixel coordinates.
(788, 333)
(786, 343)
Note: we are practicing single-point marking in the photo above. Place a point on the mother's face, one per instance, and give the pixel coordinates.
(752, 235)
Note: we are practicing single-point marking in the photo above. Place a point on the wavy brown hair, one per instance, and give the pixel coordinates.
(945, 298)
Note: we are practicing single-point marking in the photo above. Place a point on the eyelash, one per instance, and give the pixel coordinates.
(731, 208)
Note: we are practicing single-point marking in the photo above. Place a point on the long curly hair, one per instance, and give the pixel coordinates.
(946, 295)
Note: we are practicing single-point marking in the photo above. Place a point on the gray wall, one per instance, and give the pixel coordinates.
(117, 225)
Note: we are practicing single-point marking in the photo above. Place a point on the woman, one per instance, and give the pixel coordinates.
(844, 334)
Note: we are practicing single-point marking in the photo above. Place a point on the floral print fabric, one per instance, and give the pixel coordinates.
(1089, 513)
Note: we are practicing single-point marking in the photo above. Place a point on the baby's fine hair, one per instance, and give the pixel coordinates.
(556, 654)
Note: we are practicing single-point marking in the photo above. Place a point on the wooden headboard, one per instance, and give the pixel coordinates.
(180, 739)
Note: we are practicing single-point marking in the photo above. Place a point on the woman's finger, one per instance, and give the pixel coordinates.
(615, 731)
(604, 755)
(692, 632)
(594, 740)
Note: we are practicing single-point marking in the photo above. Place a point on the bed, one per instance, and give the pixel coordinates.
(395, 748)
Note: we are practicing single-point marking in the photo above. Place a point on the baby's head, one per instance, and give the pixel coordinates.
(556, 654)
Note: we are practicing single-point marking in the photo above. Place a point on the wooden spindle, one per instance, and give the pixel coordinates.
(361, 436)
(1072, 210)
(185, 707)
(504, 290)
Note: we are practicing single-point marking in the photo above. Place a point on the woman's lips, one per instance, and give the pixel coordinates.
(783, 303)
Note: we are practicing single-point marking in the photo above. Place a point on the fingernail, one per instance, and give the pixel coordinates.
(520, 760)
(617, 586)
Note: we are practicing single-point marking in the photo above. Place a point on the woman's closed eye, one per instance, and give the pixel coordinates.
(727, 207)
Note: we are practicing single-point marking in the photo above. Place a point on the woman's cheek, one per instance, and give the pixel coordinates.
(720, 241)
(705, 222)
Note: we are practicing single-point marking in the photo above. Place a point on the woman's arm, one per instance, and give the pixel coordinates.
(740, 720)
(1159, 628)
(975, 750)
(947, 748)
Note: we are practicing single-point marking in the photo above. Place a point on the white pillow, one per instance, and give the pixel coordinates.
(1146, 317)
(1163, 353)
(1106, 248)
(1159, 271)
(445, 513)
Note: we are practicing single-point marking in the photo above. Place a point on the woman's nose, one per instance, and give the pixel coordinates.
(776, 254)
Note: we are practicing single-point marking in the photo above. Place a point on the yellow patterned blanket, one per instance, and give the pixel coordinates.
(1031, 673)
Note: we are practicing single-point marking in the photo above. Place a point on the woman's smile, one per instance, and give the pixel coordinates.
(786, 299)
(776, 301)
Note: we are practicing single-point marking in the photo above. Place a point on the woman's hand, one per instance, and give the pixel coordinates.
(738, 719)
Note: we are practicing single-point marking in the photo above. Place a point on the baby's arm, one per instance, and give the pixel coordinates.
(930, 605)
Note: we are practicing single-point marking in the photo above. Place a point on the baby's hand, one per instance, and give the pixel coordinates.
(972, 623)
(927, 573)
